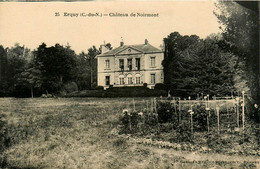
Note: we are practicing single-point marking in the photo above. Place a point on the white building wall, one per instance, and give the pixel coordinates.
(158, 61)
(103, 72)
(145, 72)
(157, 69)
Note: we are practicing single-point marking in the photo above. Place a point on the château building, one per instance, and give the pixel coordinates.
(130, 65)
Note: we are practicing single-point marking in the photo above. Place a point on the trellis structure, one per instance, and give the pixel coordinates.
(222, 114)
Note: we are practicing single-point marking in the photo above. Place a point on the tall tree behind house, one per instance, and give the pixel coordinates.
(241, 30)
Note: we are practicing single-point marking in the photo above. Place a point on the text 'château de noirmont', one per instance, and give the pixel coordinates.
(117, 14)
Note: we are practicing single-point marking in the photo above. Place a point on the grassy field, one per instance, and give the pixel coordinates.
(82, 133)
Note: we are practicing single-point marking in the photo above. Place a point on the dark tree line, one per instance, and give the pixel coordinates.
(56, 69)
(218, 65)
(191, 66)
(241, 30)
(194, 66)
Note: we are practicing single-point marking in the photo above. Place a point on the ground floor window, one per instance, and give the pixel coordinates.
(107, 80)
(130, 80)
(121, 80)
(138, 81)
(152, 78)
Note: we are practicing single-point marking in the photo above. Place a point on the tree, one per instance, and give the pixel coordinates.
(174, 44)
(82, 72)
(16, 61)
(91, 57)
(193, 65)
(57, 64)
(3, 70)
(206, 68)
(31, 77)
(241, 30)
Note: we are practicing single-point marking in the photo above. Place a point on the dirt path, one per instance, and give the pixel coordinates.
(170, 158)
(185, 159)
(195, 156)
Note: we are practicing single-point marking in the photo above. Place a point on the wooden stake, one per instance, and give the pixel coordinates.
(215, 99)
(237, 109)
(218, 118)
(179, 112)
(189, 101)
(208, 122)
(208, 101)
(143, 105)
(232, 97)
(243, 110)
(130, 126)
(147, 111)
(155, 109)
(134, 104)
(151, 105)
(191, 123)
(179, 105)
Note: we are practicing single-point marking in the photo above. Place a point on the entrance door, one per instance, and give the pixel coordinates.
(107, 80)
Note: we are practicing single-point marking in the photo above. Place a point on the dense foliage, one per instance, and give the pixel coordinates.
(193, 65)
(240, 29)
(55, 69)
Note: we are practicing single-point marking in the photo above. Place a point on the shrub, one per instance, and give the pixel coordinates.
(145, 85)
(165, 112)
(183, 132)
(138, 122)
(200, 118)
(160, 86)
(70, 87)
(99, 88)
(151, 119)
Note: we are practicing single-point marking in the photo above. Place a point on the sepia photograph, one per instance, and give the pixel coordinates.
(129, 84)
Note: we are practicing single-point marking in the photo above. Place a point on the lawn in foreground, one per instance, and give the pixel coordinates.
(79, 133)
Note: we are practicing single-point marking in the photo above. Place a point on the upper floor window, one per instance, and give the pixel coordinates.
(129, 64)
(107, 64)
(137, 63)
(121, 64)
(152, 61)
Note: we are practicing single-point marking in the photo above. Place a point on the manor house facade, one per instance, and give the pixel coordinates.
(130, 65)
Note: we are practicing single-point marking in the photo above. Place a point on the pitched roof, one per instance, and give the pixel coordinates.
(144, 48)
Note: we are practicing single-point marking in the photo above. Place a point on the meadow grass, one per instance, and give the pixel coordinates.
(81, 133)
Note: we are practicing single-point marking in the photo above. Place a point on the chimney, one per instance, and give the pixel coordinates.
(162, 46)
(104, 49)
(145, 41)
(121, 43)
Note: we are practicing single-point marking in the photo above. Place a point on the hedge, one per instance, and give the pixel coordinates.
(118, 93)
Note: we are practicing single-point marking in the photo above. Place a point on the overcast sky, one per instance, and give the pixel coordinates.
(30, 24)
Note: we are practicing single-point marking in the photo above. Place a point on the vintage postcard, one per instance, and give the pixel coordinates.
(129, 84)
